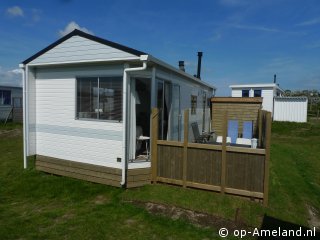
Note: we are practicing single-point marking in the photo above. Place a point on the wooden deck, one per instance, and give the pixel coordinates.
(226, 169)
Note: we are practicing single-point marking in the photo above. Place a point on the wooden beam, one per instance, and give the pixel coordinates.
(154, 146)
(224, 152)
(73, 164)
(139, 171)
(170, 143)
(185, 147)
(80, 171)
(246, 150)
(205, 146)
(89, 178)
(204, 186)
(170, 180)
(236, 100)
(244, 193)
(267, 159)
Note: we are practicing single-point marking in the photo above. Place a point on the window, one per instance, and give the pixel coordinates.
(5, 97)
(245, 93)
(257, 93)
(99, 98)
(193, 104)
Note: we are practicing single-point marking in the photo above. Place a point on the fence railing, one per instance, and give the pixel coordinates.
(222, 168)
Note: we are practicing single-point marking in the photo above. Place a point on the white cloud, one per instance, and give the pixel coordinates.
(309, 22)
(257, 28)
(15, 11)
(71, 26)
(36, 13)
(11, 77)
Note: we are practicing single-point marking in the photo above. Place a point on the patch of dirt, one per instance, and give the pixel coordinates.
(65, 217)
(196, 218)
(11, 133)
(100, 200)
(130, 222)
(314, 218)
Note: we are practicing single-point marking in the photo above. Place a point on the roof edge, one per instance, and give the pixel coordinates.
(236, 100)
(180, 72)
(257, 85)
(77, 32)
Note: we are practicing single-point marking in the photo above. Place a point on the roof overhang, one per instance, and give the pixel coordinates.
(179, 72)
(257, 85)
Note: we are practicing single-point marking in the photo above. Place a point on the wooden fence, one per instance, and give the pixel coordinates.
(222, 168)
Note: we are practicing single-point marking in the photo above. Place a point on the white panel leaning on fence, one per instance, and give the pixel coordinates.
(290, 109)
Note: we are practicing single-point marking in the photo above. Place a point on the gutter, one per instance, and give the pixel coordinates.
(126, 72)
(25, 119)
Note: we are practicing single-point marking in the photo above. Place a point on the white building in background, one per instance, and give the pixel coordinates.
(290, 109)
(285, 109)
(265, 90)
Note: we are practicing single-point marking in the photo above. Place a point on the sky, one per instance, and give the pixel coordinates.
(243, 41)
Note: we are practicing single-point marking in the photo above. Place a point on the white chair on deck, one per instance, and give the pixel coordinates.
(243, 141)
(219, 139)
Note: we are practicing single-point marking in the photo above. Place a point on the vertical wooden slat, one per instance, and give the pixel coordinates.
(185, 147)
(154, 147)
(224, 152)
(267, 159)
(260, 128)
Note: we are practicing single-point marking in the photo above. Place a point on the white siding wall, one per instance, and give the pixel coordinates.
(266, 93)
(58, 133)
(78, 48)
(267, 103)
(290, 109)
(236, 93)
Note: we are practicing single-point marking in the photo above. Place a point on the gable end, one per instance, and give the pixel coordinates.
(77, 32)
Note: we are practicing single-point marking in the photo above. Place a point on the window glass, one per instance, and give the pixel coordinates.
(5, 97)
(257, 93)
(110, 98)
(245, 93)
(99, 98)
(87, 97)
(193, 104)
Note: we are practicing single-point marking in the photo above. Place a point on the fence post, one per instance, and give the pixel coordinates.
(260, 128)
(154, 147)
(267, 159)
(224, 151)
(185, 147)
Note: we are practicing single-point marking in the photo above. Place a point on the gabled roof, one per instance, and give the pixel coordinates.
(77, 32)
(120, 47)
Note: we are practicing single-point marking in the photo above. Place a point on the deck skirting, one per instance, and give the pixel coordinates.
(138, 177)
(92, 173)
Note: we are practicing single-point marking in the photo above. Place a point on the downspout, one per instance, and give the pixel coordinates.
(126, 72)
(24, 97)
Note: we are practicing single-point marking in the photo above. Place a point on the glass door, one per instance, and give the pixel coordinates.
(160, 97)
(164, 104)
(176, 114)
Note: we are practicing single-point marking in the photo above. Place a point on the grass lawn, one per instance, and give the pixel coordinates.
(35, 205)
